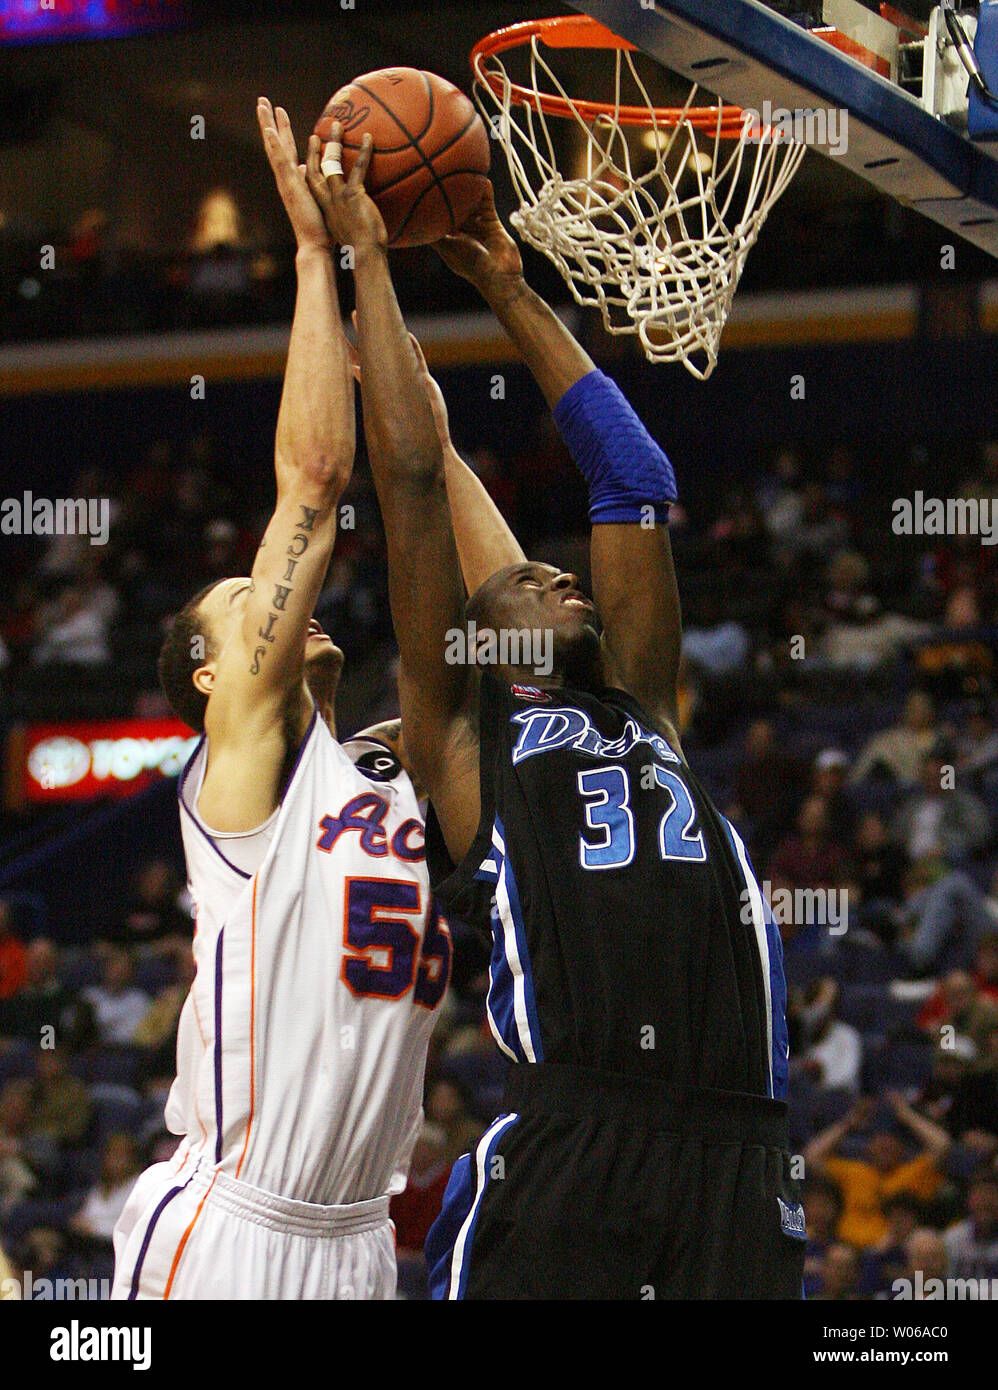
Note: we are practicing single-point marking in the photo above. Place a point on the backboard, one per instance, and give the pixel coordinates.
(749, 55)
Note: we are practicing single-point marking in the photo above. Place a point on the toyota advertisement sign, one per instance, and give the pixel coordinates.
(80, 761)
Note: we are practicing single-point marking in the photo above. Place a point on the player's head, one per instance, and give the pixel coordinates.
(198, 636)
(547, 604)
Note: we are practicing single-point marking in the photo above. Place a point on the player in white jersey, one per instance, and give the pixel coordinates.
(320, 958)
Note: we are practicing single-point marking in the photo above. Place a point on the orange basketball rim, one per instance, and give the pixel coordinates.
(581, 31)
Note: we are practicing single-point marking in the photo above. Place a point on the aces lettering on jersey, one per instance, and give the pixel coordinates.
(364, 816)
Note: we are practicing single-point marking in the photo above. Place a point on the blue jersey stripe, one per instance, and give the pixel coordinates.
(772, 964)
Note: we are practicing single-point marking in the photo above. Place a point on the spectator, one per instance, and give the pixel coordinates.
(899, 752)
(26, 1158)
(119, 1007)
(43, 1250)
(809, 858)
(926, 1261)
(823, 1206)
(972, 1244)
(952, 1063)
(9, 1281)
(828, 779)
(61, 1102)
(866, 1183)
(944, 918)
(975, 1098)
(965, 1010)
(415, 1210)
(44, 1002)
(716, 644)
(766, 780)
(820, 531)
(121, 1164)
(448, 1107)
(878, 863)
(779, 496)
(977, 749)
(840, 1271)
(963, 609)
(157, 1031)
(887, 1260)
(940, 818)
(879, 867)
(848, 597)
(73, 628)
(13, 956)
(152, 918)
(832, 1055)
(858, 636)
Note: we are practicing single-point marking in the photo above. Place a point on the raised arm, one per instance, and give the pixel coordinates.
(485, 543)
(424, 575)
(934, 1139)
(257, 698)
(630, 480)
(823, 1145)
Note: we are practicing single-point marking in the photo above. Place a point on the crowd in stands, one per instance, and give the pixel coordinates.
(838, 699)
(87, 276)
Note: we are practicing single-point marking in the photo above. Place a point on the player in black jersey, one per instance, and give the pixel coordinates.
(636, 976)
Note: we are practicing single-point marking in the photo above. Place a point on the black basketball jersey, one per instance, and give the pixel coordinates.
(627, 929)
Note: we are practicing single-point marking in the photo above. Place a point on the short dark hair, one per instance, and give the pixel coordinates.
(177, 663)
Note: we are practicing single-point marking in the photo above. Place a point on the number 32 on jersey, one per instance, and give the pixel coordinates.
(608, 840)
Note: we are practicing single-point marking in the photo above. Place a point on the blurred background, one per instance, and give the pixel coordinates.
(834, 670)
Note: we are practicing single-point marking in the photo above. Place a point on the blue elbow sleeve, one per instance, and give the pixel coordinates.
(626, 470)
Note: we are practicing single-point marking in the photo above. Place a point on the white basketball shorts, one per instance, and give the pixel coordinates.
(196, 1233)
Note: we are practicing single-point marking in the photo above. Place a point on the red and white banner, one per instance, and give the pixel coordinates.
(108, 757)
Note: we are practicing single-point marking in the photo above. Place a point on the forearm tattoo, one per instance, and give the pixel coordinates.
(295, 550)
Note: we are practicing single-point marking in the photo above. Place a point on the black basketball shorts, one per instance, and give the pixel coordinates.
(597, 1186)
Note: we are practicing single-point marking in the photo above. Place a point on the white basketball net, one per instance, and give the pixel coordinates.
(659, 253)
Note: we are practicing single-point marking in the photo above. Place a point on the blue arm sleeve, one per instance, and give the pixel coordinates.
(624, 467)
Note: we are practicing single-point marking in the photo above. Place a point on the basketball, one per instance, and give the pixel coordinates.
(431, 150)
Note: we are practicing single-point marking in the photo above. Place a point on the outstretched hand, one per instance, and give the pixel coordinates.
(279, 142)
(350, 214)
(430, 385)
(483, 252)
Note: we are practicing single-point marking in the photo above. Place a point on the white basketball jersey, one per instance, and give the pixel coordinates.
(302, 1043)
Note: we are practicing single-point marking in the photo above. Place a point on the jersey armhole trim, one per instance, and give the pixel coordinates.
(195, 819)
(199, 825)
